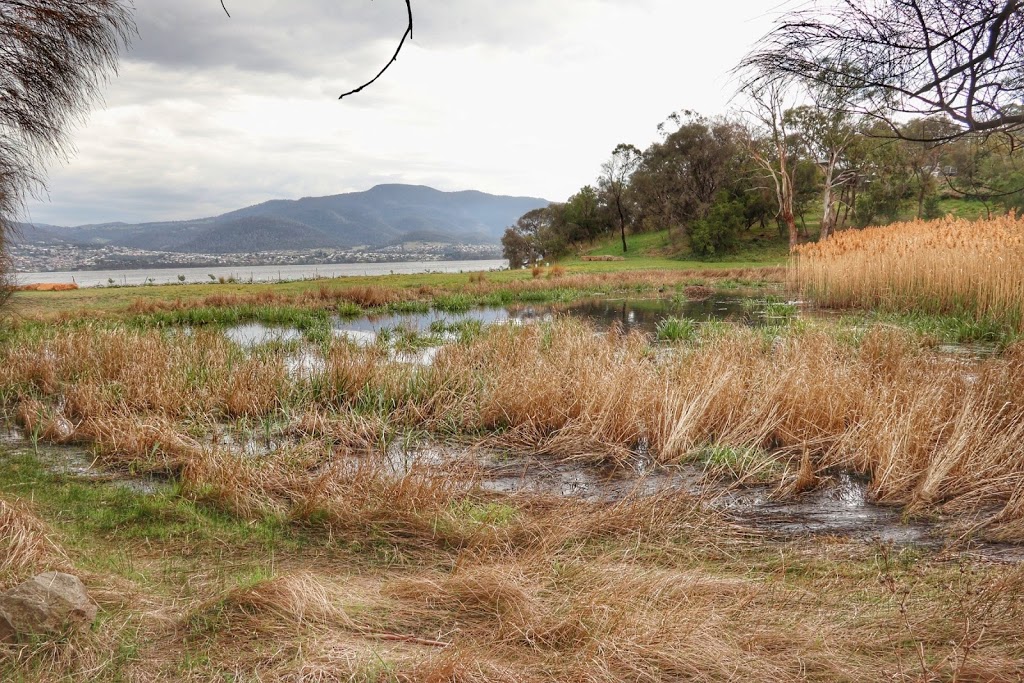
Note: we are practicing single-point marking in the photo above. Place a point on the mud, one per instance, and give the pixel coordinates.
(841, 507)
(72, 461)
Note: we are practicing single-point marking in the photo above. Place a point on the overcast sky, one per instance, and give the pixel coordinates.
(208, 114)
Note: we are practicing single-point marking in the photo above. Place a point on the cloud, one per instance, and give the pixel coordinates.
(209, 114)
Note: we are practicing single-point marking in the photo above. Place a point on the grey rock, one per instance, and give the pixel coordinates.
(47, 605)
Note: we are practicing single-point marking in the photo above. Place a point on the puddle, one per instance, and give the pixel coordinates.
(71, 461)
(841, 507)
(304, 363)
(631, 314)
(439, 327)
(255, 334)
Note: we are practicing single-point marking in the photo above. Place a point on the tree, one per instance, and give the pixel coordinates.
(614, 183)
(769, 143)
(680, 177)
(924, 156)
(56, 54)
(962, 60)
(826, 132)
(521, 243)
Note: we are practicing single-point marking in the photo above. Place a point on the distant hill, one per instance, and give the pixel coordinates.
(385, 214)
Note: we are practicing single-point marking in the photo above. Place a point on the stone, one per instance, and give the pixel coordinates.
(50, 604)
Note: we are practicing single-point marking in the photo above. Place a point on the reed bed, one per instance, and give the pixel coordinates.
(933, 432)
(951, 266)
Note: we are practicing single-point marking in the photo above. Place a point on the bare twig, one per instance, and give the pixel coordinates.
(394, 57)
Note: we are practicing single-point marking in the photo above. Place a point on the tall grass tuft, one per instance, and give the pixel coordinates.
(25, 544)
(952, 266)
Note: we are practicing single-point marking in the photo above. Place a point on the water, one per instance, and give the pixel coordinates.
(254, 334)
(163, 276)
(840, 507)
(641, 315)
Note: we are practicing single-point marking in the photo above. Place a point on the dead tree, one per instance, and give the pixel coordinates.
(963, 59)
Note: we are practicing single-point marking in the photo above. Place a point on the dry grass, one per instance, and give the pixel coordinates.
(951, 266)
(48, 287)
(26, 545)
(420, 576)
(932, 432)
(601, 619)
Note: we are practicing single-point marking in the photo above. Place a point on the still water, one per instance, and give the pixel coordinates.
(163, 276)
(641, 315)
(632, 314)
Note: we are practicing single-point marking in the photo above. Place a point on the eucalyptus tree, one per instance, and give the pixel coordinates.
(825, 134)
(680, 178)
(925, 152)
(616, 174)
(769, 141)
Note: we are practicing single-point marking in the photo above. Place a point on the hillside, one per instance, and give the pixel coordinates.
(385, 214)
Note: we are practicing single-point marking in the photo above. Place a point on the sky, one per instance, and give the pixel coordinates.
(208, 113)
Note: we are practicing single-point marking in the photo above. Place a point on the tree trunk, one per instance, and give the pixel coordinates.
(920, 198)
(622, 223)
(790, 220)
(827, 221)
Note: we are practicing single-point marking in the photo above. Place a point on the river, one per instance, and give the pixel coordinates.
(162, 276)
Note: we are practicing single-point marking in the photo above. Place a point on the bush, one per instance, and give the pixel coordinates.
(717, 232)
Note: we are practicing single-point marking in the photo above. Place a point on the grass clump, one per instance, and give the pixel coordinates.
(673, 329)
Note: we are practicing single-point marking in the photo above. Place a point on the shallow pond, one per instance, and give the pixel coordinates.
(632, 314)
(641, 315)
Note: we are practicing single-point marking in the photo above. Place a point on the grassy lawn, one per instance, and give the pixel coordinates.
(662, 250)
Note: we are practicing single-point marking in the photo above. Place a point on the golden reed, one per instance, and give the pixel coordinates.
(950, 266)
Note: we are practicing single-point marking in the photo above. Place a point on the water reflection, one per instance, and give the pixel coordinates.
(632, 314)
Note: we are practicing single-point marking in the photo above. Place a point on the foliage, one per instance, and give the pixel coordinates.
(56, 53)
(716, 233)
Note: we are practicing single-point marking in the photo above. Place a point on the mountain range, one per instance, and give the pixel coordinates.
(381, 216)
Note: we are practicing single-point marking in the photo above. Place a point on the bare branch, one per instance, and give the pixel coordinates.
(394, 57)
(963, 60)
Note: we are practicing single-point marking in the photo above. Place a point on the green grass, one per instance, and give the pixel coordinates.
(88, 512)
(676, 330)
(942, 329)
(660, 250)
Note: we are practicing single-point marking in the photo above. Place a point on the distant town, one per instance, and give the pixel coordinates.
(29, 258)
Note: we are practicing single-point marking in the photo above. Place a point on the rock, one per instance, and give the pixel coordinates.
(48, 605)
